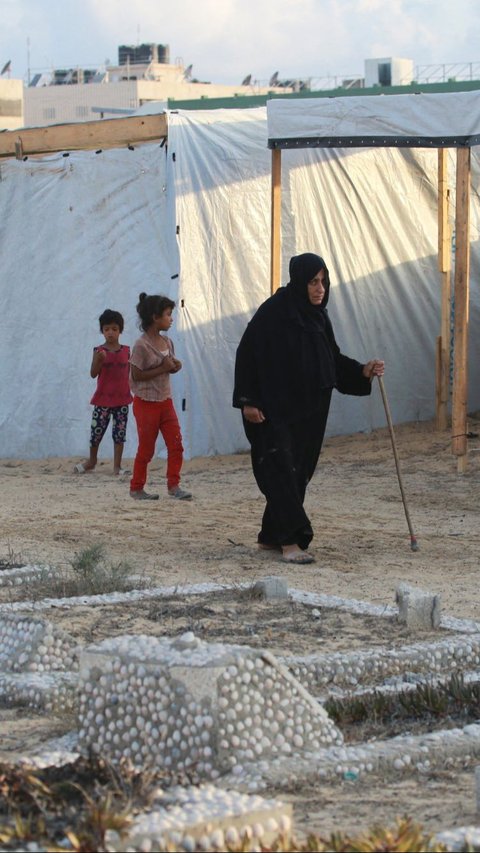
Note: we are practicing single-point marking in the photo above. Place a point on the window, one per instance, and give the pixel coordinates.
(49, 112)
(81, 112)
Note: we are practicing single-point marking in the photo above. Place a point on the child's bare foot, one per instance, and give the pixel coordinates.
(83, 467)
(120, 472)
(294, 554)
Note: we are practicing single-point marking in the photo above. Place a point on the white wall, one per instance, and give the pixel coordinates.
(11, 104)
(46, 105)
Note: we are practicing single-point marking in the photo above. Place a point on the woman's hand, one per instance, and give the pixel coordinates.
(253, 415)
(372, 368)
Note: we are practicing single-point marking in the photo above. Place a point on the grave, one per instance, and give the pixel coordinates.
(237, 715)
(187, 704)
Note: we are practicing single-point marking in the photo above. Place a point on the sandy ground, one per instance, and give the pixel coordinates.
(362, 548)
(362, 543)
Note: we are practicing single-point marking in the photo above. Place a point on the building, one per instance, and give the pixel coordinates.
(390, 71)
(11, 104)
(143, 74)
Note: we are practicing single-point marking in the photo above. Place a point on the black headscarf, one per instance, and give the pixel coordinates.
(302, 269)
(318, 366)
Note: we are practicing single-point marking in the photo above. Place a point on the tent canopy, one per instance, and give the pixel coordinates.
(409, 121)
(436, 121)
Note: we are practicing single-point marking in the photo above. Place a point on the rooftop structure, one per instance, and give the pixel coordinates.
(144, 74)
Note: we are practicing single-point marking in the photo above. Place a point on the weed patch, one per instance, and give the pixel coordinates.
(89, 572)
(12, 560)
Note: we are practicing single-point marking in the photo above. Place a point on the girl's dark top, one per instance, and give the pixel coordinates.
(288, 354)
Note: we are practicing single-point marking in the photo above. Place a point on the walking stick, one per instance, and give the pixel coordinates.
(413, 538)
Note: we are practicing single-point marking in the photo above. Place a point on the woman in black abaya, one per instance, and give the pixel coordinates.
(287, 365)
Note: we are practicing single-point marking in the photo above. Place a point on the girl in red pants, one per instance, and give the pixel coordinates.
(151, 363)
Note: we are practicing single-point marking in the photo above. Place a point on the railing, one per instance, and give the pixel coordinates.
(446, 72)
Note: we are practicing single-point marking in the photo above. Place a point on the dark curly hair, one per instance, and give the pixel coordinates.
(151, 306)
(110, 316)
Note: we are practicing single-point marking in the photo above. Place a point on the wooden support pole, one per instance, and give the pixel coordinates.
(276, 219)
(462, 275)
(442, 384)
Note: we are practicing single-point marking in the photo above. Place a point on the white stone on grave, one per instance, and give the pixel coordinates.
(205, 818)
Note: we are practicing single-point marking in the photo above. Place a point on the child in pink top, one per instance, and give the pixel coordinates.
(112, 396)
(151, 363)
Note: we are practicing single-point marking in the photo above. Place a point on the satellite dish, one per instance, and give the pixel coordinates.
(6, 67)
(247, 80)
(273, 79)
(188, 72)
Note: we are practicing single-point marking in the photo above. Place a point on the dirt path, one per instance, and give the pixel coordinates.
(362, 547)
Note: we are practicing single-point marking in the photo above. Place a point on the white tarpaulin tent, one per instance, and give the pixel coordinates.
(411, 121)
(87, 231)
(445, 120)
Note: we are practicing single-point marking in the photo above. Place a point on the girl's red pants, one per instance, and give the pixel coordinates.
(153, 417)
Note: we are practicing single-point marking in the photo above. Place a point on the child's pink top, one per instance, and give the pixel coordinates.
(145, 356)
(113, 388)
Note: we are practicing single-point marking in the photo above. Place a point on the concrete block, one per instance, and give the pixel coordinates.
(418, 609)
(271, 589)
(187, 705)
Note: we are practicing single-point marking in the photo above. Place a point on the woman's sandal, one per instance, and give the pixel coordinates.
(302, 559)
